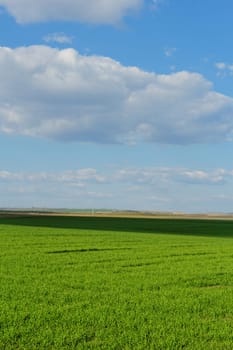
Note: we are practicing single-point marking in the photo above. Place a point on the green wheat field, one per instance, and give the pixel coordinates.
(115, 283)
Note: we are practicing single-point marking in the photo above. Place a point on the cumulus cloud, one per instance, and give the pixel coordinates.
(224, 69)
(60, 38)
(151, 176)
(142, 176)
(70, 176)
(218, 176)
(154, 188)
(92, 11)
(221, 65)
(62, 95)
(136, 177)
(169, 51)
(154, 4)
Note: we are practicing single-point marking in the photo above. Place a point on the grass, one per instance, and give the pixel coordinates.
(110, 283)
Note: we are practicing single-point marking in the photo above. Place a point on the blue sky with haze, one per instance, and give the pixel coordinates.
(125, 105)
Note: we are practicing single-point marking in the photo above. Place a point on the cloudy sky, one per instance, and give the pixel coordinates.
(122, 104)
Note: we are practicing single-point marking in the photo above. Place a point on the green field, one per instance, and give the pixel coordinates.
(115, 283)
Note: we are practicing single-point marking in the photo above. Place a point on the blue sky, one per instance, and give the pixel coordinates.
(122, 105)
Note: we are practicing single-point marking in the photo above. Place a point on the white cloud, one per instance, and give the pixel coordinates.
(6, 175)
(221, 65)
(62, 95)
(60, 38)
(139, 176)
(224, 69)
(82, 175)
(70, 176)
(151, 176)
(154, 4)
(92, 11)
(154, 188)
(168, 52)
(218, 176)
(135, 176)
